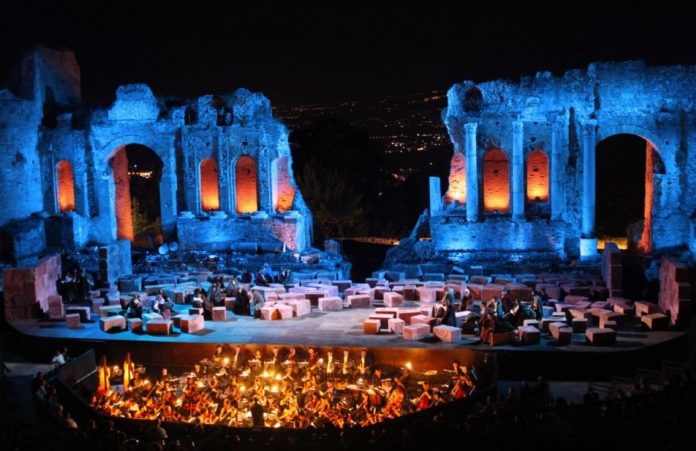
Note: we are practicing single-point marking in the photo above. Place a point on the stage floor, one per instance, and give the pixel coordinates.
(340, 328)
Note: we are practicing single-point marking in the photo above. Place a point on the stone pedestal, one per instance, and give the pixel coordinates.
(588, 249)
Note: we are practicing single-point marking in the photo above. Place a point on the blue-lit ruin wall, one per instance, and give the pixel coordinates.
(181, 133)
(566, 117)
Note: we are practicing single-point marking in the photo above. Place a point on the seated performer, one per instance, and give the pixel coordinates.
(445, 314)
(256, 304)
(487, 325)
(135, 308)
(158, 303)
(519, 313)
(423, 400)
(467, 300)
(536, 305)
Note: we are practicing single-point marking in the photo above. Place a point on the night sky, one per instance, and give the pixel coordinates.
(299, 52)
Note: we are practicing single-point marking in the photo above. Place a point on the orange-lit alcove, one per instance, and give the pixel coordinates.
(283, 191)
(66, 186)
(537, 177)
(210, 193)
(457, 180)
(246, 185)
(496, 181)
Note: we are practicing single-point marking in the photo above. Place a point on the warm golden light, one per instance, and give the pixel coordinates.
(66, 186)
(408, 365)
(621, 242)
(226, 360)
(537, 177)
(246, 185)
(496, 181)
(210, 193)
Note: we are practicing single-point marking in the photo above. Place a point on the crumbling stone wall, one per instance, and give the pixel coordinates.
(565, 117)
(224, 129)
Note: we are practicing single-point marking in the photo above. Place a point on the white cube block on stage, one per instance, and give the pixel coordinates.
(112, 322)
(427, 294)
(447, 334)
(392, 299)
(529, 335)
(416, 332)
(72, 320)
(396, 325)
(300, 307)
(329, 304)
(382, 318)
(286, 311)
(269, 313)
(371, 326)
(219, 314)
(406, 315)
(461, 317)
(191, 323)
(358, 301)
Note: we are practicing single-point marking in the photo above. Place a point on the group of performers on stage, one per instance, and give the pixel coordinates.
(237, 389)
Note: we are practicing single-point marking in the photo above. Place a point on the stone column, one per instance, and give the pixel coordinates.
(435, 196)
(472, 195)
(588, 241)
(517, 171)
(556, 174)
(588, 178)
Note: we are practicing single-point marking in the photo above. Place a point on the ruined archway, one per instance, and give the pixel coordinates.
(282, 190)
(137, 171)
(65, 189)
(246, 185)
(496, 182)
(457, 180)
(625, 168)
(210, 192)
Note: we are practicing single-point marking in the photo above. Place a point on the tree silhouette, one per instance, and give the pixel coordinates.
(334, 201)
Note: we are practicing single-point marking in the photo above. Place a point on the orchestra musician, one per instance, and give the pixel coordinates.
(128, 371)
(104, 374)
(423, 400)
(210, 397)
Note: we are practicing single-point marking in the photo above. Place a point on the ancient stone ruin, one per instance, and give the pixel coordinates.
(223, 162)
(522, 178)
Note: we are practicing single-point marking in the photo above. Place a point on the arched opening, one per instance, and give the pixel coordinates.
(537, 177)
(625, 168)
(246, 185)
(210, 192)
(137, 172)
(456, 192)
(496, 182)
(65, 180)
(473, 100)
(282, 189)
